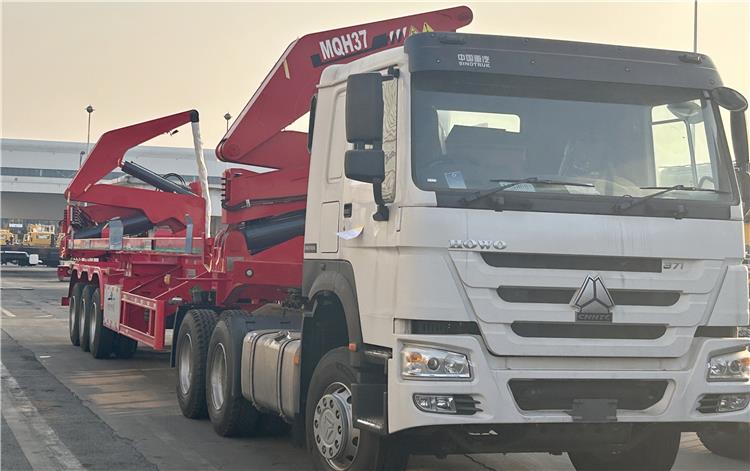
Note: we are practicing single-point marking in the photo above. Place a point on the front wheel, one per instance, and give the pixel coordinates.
(656, 451)
(728, 440)
(332, 438)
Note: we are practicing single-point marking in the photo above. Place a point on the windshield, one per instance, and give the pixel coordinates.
(567, 139)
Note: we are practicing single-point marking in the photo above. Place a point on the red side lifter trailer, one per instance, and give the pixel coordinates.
(142, 259)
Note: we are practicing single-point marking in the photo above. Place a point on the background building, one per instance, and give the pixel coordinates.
(34, 175)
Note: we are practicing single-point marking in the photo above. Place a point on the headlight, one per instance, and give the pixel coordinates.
(424, 362)
(733, 366)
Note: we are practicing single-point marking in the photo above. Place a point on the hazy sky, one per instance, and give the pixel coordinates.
(137, 61)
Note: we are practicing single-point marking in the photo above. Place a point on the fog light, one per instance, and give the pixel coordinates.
(732, 402)
(433, 403)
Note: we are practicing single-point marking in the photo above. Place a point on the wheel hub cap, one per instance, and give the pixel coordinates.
(335, 437)
(92, 325)
(218, 376)
(184, 367)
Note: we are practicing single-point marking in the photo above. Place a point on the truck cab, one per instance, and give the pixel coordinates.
(533, 237)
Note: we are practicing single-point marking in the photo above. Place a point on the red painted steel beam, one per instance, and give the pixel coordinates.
(110, 149)
(108, 154)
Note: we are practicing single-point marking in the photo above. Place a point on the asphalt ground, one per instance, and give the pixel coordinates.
(63, 409)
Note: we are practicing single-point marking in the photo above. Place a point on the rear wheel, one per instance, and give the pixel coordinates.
(75, 309)
(655, 452)
(101, 339)
(228, 410)
(729, 440)
(192, 349)
(86, 311)
(331, 436)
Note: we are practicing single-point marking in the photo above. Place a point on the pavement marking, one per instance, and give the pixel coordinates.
(40, 444)
(7, 312)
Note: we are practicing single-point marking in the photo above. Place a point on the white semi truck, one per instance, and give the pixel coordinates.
(513, 245)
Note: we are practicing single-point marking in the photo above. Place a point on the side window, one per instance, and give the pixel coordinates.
(338, 145)
(681, 149)
(390, 121)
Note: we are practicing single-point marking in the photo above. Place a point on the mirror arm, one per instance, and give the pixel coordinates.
(383, 213)
(739, 140)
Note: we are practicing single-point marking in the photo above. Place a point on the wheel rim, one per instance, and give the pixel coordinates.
(335, 436)
(185, 369)
(218, 376)
(82, 330)
(72, 317)
(92, 324)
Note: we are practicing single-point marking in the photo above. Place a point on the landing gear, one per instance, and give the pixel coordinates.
(192, 350)
(125, 347)
(332, 438)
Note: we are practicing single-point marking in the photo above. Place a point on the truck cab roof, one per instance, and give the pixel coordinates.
(548, 58)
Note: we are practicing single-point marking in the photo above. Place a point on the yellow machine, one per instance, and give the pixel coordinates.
(7, 237)
(39, 235)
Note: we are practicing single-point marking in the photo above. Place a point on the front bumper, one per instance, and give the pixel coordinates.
(685, 379)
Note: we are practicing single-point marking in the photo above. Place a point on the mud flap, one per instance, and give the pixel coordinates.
(370, 407)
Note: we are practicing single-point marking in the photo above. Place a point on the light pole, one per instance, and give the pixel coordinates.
(227, 117)
(89, 110)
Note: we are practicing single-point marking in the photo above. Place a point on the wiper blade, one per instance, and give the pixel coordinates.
(622, 206)
(512, 183)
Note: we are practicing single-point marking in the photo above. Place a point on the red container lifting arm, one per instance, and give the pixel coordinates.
(284, 96)
(107, 155)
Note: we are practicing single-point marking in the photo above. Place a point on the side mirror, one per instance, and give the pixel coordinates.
(733, 101)
(364, 129)
(739, 142)
(365, 165)
(729, 99)
(364, 109)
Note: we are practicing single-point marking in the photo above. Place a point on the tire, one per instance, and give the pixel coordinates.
(728, 440)
(124, 347)
(192, 349)
(101, 339)
(86, 312)
(655, 452)
(329, 394)
(231, 414)
(75, 309)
